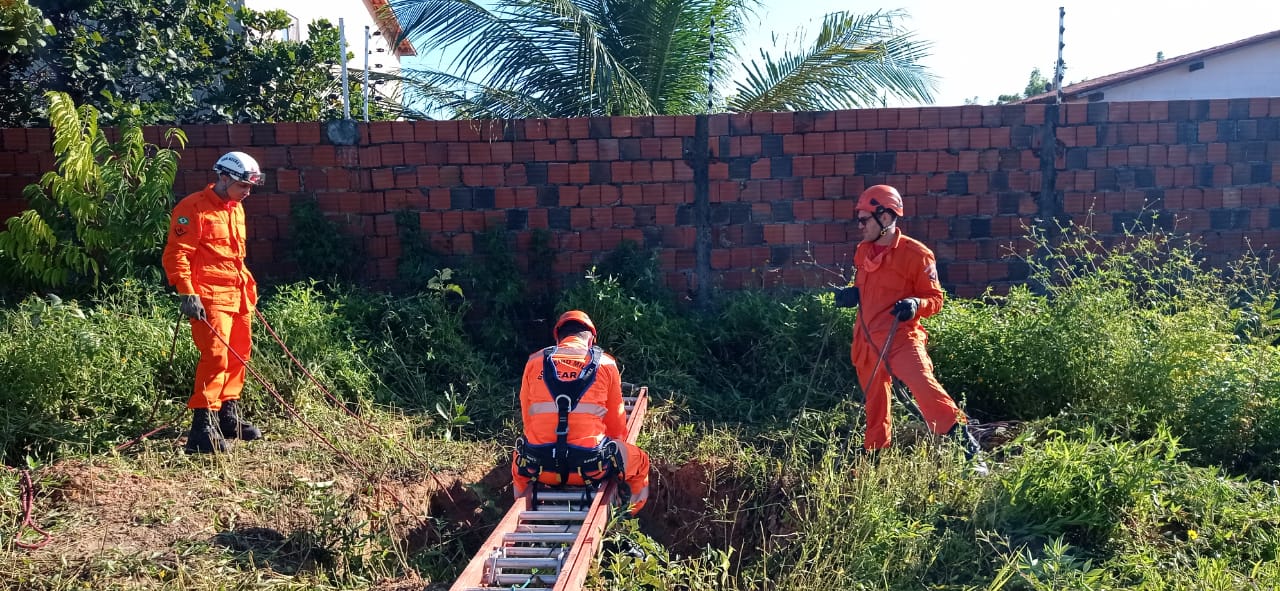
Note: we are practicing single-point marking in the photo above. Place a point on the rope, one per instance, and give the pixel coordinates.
(168, 374)
(340, 404)
(298, 416)
(27, 499)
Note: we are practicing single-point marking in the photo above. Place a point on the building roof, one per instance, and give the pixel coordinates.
(1072, 91)
(389, 24)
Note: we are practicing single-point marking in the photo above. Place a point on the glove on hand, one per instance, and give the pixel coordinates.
(191, 307)
(906, 309)
(847, 297)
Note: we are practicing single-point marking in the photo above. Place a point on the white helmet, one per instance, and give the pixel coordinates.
(241, 167)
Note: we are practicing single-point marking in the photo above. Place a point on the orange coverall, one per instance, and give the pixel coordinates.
(204, 255)
(600, 413)
(906, 268)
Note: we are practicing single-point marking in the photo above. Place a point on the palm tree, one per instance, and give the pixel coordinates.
(562, 58)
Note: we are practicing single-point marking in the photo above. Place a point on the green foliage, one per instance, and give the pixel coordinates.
(102, 215)
(177, 61)
(76, 379)
(22, 28)
(318, 246)
(546, 58)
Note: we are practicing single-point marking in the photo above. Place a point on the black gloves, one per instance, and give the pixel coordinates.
(906, 309)
(847, 297)
(191, 307)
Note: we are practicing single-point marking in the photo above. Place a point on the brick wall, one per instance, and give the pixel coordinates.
(779, 188)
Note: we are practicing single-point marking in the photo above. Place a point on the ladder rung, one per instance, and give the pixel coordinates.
(547, 528)
(530, 588)
(533, 552)
(522, 579)
(540, 538)
(544, 515)
(527, 563)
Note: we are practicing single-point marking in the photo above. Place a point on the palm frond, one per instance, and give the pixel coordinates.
(853, 60)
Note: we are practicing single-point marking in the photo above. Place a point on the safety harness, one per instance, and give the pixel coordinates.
(592, 464)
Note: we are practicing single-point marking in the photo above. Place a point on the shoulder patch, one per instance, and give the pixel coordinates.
(183, 220)
(932, 272)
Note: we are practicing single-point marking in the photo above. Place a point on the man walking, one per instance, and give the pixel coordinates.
(204, 260)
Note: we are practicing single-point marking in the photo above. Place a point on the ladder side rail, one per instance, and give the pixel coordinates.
(471, 575)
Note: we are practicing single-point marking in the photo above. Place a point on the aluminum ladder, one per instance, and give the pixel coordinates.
(550, 543)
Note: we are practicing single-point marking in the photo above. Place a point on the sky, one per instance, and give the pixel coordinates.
(982, 49)
(985, 48)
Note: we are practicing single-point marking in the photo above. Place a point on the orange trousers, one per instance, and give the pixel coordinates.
(220, 375)
(908, 361)
(634, 477)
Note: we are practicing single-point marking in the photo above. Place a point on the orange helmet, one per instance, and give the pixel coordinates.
(878, 198)
(572, 315)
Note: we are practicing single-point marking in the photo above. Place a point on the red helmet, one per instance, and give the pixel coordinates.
(572, 315)
(879, 198)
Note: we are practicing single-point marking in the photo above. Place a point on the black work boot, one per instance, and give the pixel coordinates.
(232, 426)
(204, 437)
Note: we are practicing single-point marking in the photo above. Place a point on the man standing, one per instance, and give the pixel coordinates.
(204, 260)
(575, 424)
(896, 286)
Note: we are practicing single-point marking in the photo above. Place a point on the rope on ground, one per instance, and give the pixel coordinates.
(314, 431)
(27, 500)
(340, 404)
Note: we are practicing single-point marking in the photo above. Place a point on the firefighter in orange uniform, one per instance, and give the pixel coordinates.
(897, 280)
(204, 260)
(574, 421)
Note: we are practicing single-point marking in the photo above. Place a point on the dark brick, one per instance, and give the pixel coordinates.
(944, 275)
(642, 126)
(803, 121)
(1255, 151)
(1179, 111)
(1144, 178)
(1121, 220)
(740, 168)
(720, 214)
(792, 188)
(1199, 110)
(652, 236)
(1008, 202)
(957, 183)
(684, 215)
(1098, 112)
(511, 133)
(1188, 132)
(752, 234)
(999, 181)
(601, 173)
(1275, 217)
(688, 147)
(1010, 159)
(739, 213)
(1227, 131)
(517, 219)
(1019, 270)
(629, 149)
(558, 217)
(782, 211)
(1077, 158)
(1013, 115)
(1204, 175)
(1226, 219)
(726, 146)
(460, 198)
(263, 134)
(771, 145)
(886, 162)
(864, 164)
(1105, 180)
(535, 173)
(1269, 129)
(1247, 130)
(482, 198)
(1155, 198)
(600, 128)
(740, 125)
(780, 167)
(1238, 108)
(779, 255)
(645, 215)
(548, 196)
(1260, 173)
(980, 228)
(1021, 136)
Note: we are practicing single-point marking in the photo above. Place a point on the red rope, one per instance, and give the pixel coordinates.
(27, 498)
(340, 404)
(298, 416)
